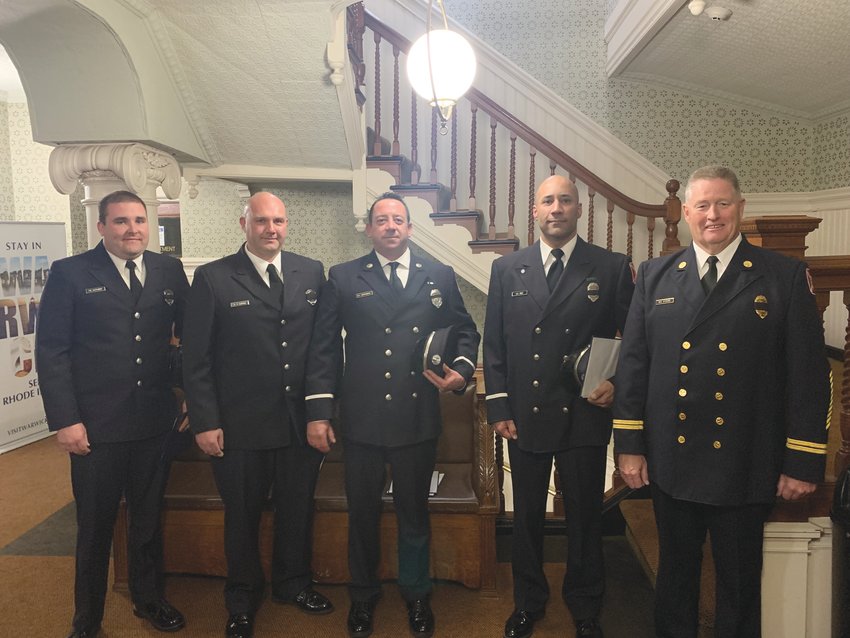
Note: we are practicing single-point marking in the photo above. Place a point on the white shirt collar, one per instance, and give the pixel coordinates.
(121, 265)
(724, 257)
(546, 251)
(403, 260)
(262, 265)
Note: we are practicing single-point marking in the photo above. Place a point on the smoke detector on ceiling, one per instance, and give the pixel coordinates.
(719, 14)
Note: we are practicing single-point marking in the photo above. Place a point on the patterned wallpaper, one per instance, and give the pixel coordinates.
(562, 45)
(7, 195)
(209, 224)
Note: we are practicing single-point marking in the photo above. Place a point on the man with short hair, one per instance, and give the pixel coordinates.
(387, 302)
(106, 319)
(545, 304)
(248, 325)
(722, 404)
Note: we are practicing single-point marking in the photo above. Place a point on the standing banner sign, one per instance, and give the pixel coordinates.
(27, 251)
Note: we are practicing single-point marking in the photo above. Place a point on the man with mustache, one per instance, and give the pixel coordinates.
(386, 302)
(545, 303)
(248, 325)
(722, 405)
(105, 322)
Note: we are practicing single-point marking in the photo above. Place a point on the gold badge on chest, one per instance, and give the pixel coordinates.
(760, 306)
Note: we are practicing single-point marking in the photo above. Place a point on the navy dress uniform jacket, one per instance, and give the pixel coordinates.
(528, 332)
(244, 357)
(724, 393)
(103, 361)
(384, 400)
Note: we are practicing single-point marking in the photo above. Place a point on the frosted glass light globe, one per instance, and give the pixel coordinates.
(452, 67)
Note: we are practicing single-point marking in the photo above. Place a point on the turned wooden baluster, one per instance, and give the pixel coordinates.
(453, 181)
(674, 214)
(590, 211)
(609, 235)
(552, 167)
(630, 234)
(532, 154)
(396, 149)
(376, 147)
(500, 470)
(472, 162)
(491, 230)
(414, 148)
(512, 188)
(558, 499)
(650, 248)
(433, 145)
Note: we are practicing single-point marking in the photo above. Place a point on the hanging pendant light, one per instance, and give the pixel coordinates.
(441, 66)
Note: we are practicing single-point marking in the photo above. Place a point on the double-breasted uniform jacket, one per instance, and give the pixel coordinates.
(244, 355)
(723, 393)
(384, 399)
(528, 332)
(103, 359)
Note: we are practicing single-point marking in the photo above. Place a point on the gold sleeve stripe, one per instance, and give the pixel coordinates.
(831, 394)
(805, 446)
(626, 424)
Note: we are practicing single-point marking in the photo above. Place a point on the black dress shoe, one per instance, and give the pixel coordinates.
(589, 627)
(521, 624)
(420, 618)
(360, 619)
(308, 600)
(239, 626)
(161, 615)
(85, 633)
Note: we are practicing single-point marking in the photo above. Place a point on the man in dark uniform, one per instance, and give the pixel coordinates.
(248, 325)
(105, 323)
(722, 404)
(545, 303)
(387, 302)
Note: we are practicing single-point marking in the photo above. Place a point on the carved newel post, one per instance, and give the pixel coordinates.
(104, 168)
(785, 234)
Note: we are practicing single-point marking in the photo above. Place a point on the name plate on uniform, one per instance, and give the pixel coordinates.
(237, 304)
(365, 293)
(90, 291)
(665, 301)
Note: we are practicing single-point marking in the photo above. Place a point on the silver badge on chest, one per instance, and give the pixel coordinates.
(312, 296)
(436, 298)
(593, 291)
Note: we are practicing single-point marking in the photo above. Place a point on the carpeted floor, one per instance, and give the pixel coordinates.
(37, 575)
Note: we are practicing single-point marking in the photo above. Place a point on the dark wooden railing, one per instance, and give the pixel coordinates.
(511, 147)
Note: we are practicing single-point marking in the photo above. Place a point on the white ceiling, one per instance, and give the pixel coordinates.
(255, 77)
(791, 57)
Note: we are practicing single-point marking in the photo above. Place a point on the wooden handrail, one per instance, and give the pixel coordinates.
(670, 210)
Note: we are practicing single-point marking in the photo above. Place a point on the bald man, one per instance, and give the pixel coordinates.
(547, 302)
(248, 324)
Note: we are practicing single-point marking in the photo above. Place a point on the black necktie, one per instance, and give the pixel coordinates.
(709, 280)
(395, 282)
(555, 269)
(275, 283)
(135, 284)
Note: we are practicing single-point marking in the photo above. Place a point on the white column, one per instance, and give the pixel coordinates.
(797, 580)
(105, 168)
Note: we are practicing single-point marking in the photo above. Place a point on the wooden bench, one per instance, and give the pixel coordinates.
(463, 512)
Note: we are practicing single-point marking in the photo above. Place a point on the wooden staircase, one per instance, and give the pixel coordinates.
(487, 145)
